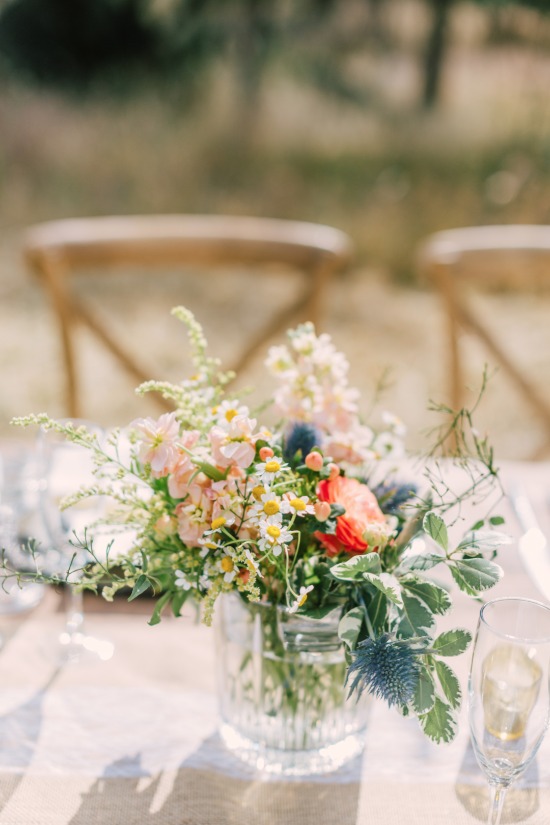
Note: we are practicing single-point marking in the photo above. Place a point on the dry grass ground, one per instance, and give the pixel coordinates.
(388, 181)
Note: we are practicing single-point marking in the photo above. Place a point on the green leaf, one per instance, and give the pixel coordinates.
(387, 584)
(434, 597)
(142, 584)
(350, 625)
(412, 561)
(178, 600)
(435, 527)
(449, 684)
(355, 567)
(452, 642)
(155, 618)
(424, 694)
(496, 520)
(378, 612)
(440, 723)
(414, 618)
(475, 575)
(484, 540)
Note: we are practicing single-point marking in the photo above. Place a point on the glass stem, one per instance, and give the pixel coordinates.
(498, 792)
(75, 611)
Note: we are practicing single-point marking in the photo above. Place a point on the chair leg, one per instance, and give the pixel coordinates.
(54, 276)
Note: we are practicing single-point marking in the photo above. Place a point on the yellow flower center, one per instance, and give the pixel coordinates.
(273, 531)
(230, 415)
(302, 600)
(271, 507)
(272, 467)
(258, 492)
(298, 504)
(210, 545)
(227, 564)
(218, 522)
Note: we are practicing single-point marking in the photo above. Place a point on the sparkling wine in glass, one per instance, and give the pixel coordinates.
(509, 691)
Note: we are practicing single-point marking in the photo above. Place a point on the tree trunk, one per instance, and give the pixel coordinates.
(435, 52)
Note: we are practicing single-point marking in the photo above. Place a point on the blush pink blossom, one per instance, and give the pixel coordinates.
(159, 440)
(236, 444)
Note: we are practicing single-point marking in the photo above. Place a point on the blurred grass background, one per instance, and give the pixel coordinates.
(322, 111)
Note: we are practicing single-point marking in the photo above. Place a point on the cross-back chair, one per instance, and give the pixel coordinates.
(58, 251)
(511, 256)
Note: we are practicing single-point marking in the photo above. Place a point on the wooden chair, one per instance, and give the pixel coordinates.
(58, 250)
(510, 256)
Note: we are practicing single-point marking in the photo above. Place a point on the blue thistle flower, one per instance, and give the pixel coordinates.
(391, 495)
(300, 438)
(385, 667)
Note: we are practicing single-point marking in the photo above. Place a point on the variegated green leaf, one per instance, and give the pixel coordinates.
(387, 584)
(350, 625)
(435, 527)
(424, 694)
(434, 597)
(355, 567)
(452, 642)
(484, 540)
(378, 612)
(440, 723)
(449, 683)
(414, 618)
(475, 575)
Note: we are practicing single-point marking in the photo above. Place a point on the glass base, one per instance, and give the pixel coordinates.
(293, 762)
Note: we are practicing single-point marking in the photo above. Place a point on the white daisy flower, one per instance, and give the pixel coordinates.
(301, 599)
(296, 505)
(227, 566)
(268, 470)
(274, 536)
(182, 580)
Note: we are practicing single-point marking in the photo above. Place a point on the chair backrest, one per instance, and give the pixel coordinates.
(58, 250)
(512, 256)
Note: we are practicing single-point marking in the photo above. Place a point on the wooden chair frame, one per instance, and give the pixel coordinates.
(58, 250)
(513, 255)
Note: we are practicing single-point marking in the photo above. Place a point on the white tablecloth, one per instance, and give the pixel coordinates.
(133, 740)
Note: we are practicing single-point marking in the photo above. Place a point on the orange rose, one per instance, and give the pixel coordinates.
(361, 510)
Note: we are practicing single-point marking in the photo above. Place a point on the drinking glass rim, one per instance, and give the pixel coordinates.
(544, 639)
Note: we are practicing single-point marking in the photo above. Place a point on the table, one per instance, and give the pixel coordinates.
(133, 741)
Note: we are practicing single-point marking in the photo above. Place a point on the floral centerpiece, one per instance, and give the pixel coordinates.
(305, 518)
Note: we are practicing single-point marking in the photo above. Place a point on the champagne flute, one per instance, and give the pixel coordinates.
(65, 468)
(509, 691)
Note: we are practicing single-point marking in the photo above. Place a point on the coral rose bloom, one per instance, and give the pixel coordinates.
(361, 510)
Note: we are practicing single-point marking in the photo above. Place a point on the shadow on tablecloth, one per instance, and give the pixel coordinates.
(199, 794)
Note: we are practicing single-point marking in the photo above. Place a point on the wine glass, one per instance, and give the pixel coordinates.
(509, 691)
(65, 468)
(16, 593)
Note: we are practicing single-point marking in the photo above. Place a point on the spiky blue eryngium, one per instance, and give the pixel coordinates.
(385, 667)
(300, 438)
(391, 495)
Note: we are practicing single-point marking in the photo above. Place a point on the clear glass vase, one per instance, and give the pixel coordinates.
(283, 704)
